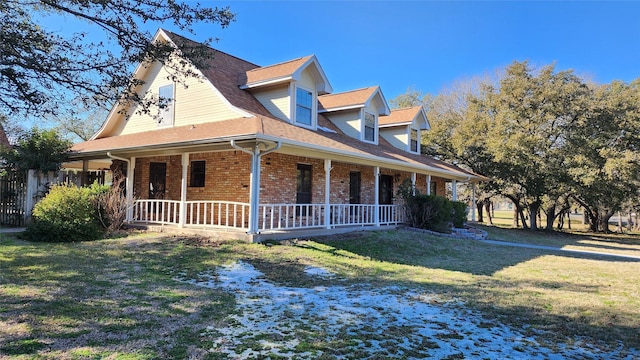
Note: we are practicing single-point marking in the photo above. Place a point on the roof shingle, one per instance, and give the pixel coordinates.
(223, 70)
(400, 116)
(346, 99)
(271, 72)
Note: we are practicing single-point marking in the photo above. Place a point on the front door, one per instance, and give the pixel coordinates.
(157, 180)
(303, 188)
(385, 192)
(354, 187)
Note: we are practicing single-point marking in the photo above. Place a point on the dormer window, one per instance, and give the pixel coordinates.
(414, 140)
(369, 127)
(304, 107)
(167, 105)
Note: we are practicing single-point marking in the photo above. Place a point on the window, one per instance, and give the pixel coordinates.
(414, 140)
(304, 106)
(166, 103)
(434, 188)
(197, 173)
(369, 127)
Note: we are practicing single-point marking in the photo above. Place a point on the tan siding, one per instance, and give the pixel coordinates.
(196, 103)
(277, 101)
(307, 80)
(374, 105)
(396, 136)
(348, 121)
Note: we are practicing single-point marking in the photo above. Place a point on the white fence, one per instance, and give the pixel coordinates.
(221, 214)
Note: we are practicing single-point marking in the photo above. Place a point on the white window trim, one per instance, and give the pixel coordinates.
(294, 106)
(173, 107)
(409, 142)
(363, 121)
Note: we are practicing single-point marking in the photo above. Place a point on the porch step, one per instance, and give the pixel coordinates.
(470, 233)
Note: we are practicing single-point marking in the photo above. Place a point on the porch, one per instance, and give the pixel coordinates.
(273, 219)
(257, 190)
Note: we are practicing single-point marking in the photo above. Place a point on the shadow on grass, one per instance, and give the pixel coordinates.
(115, 297)
(120, 297)
(559, 239)
(417, 249)
(493, 292)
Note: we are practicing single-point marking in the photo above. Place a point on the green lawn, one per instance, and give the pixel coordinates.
(119, 298)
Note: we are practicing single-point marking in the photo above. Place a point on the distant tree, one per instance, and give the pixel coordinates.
(412, 97)
(605, 153)
(41, 69)
(37, 149)
(81, 122)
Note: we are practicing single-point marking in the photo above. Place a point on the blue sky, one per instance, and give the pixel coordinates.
(428, 45)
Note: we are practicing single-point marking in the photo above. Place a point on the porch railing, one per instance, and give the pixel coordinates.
(290, 216)
(206, 213)
(156, 211)
(226, 214)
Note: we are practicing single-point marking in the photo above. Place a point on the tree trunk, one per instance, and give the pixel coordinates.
(560, 221)
(487, 206)
(551, 217)
(516, 221)
(523, 219)
(534, 210)
(479, 207)
(604, 221)
(569, 219)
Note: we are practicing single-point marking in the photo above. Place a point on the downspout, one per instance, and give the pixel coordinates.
(128, 185)
(254, 194)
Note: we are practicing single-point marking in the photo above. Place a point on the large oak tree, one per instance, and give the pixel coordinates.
(545, 137)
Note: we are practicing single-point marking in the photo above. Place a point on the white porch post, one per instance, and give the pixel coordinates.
(473, 202)
(256, 153)
(376, 193)
(327, 193)
(129, 188)
(183, 190)
(454, 190)
(254, 195)
(413, 183)
(428, 184)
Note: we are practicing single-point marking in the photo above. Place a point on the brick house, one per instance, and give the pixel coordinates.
(264, 152)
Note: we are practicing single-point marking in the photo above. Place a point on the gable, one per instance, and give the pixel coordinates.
(197, 101)
(306, 69)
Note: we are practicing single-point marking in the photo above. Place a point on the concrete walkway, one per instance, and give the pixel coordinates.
(7, 230)
(551, 248)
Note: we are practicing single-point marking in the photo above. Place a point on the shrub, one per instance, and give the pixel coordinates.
(66, 214)
(432, 212)
(112, 206)
(460, 213)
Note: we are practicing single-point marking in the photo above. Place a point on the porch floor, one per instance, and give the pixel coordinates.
(239, 234)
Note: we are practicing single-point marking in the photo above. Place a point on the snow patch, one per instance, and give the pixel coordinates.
(371, 322)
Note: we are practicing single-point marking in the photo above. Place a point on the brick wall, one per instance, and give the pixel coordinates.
(227, 178)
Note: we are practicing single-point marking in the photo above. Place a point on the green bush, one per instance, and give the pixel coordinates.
(432, 212)
(66, 214)
(459, 215)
